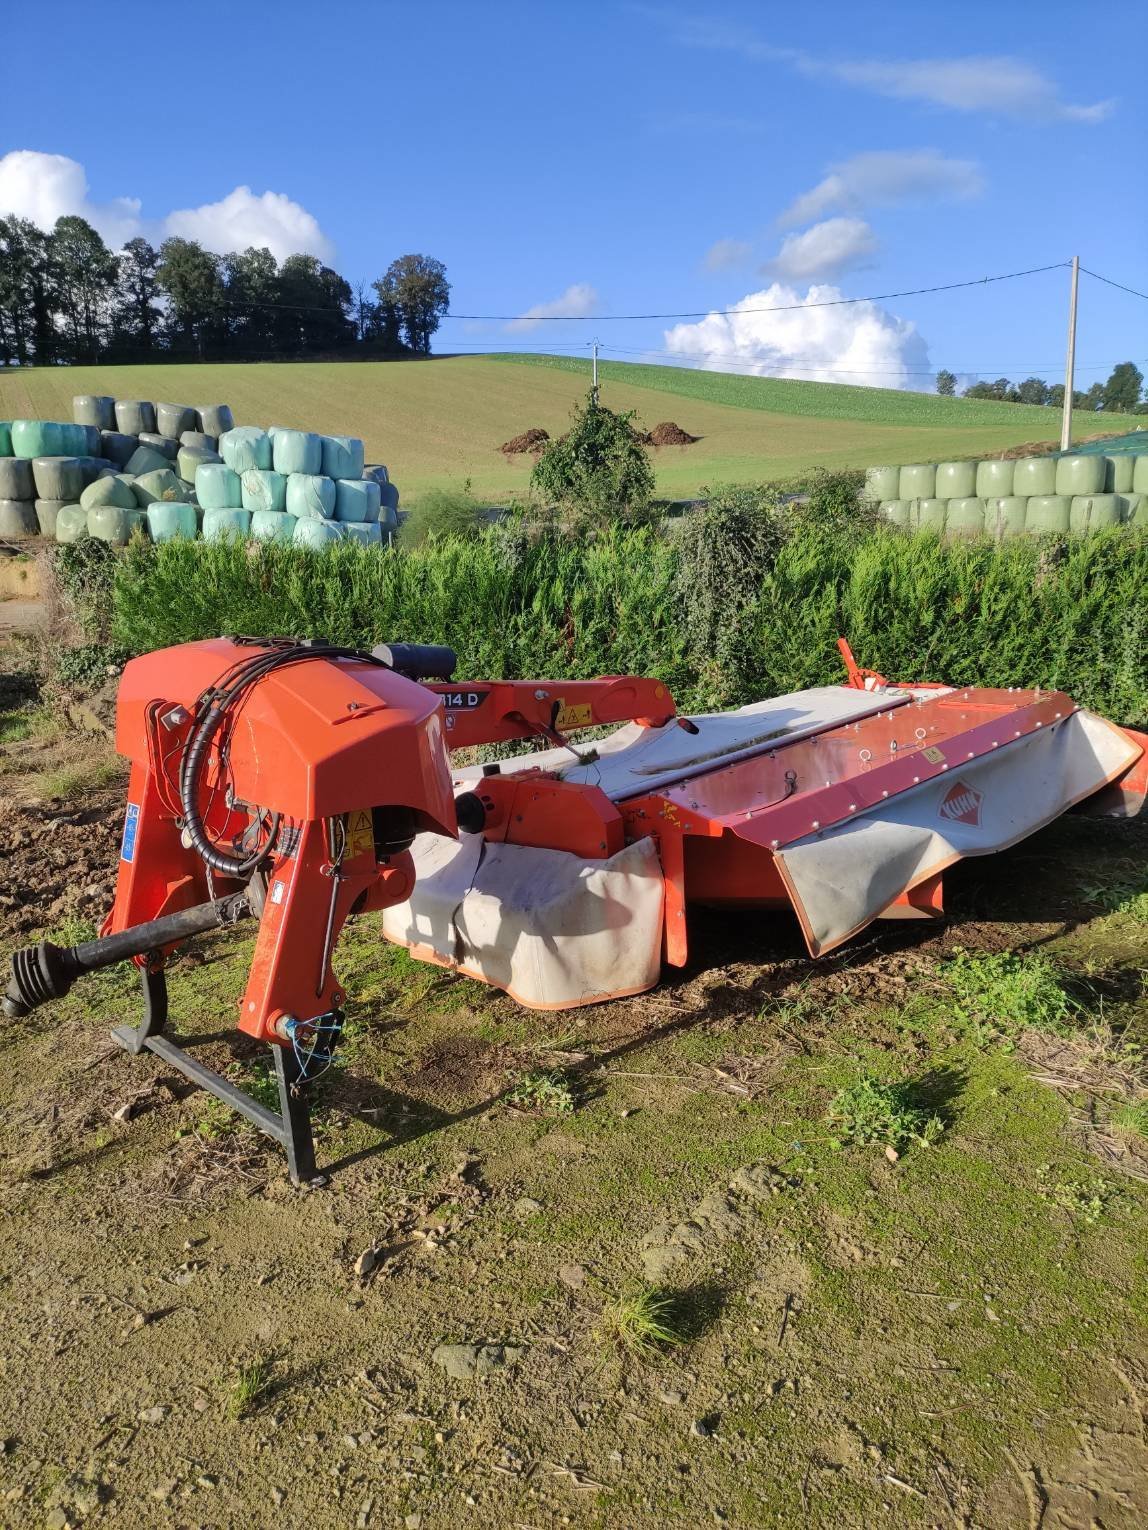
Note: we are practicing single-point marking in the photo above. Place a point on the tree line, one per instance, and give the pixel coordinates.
(1121, 394)
(65, 297)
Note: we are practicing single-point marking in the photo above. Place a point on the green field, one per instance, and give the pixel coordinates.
(442, 421)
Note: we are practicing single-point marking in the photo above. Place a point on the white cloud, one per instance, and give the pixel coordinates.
(44, 187)
(726, 253)
(852, 343)
(827, 249)
(884, 178)
(579, 301)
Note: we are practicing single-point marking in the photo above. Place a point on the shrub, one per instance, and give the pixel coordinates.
(441, 513)
(600, 469)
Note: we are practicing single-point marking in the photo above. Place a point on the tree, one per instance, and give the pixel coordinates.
(415, 286)
(1122, 390)
(599, 468)
(1056, 395)
(251, 283)
(946, 384)
(1034, 390)
(84, 272)
(190, 278)
(137, 300)
(316, 306)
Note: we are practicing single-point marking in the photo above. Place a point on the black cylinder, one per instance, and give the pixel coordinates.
(418, 661)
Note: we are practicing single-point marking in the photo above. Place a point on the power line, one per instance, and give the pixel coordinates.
(1107, 280)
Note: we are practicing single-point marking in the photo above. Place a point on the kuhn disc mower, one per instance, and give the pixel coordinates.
(298, 783)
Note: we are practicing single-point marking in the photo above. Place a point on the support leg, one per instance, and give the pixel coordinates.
(296, 1115)
(153, 982)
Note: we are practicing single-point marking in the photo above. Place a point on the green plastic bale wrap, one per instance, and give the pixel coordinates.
(1140, 474)
(173, 419)
(58, 478)
(928, 514)
(965, 517)
(956, 480)
(146, 460)
(917, 481)
(273, 431)
(1079, 475)
(201, 440)
(5, 438)
(134, 415)
(71, 524)
(218, 487)
(162, 486)
(167, 446)
(1089, 512)
(18, 520)
(47, 514)
(214, 419)
(369, 533)
(245, 447)
(895, 511)
(114, 524)
(192, 458)
(117, 448)
(263, 490)
(272, 526)
(357, 500)
(1135, 509)
(297, 451)
(1004, 515)
(49, 438)
(342, 457)
(316, 533)
(310, 496)
(882, 484)
(1118, 472)
(166, 521)
(16, 480)
(995, 479)
(226, 523)
(1034, 476)
(1047, 512)
(98, 409)
(109, 491)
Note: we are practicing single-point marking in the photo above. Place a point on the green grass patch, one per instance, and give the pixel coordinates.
(643, 1319)
(997, 995)
(869, 1112)
(250, 1389)
(548, 1092)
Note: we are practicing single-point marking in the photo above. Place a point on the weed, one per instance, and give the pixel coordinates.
(643, 1319)
(1132, 1117)
(250, 1388)
(1127, 899)
(996, 996)
(71, 931)
(545, 1090)
(869, 1111)
(1085, 1199)
(74, 780)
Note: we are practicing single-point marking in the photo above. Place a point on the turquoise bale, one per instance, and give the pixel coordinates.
(272, 526)
(369, 533)
(310, 496)
(357, 499)
(167, 520)
(261, 489)
(71, 524)
(342, 457)
(51, 438)
(225, 523)
(297, 451)
(245, 447)
(5, 438)
(312, 532)
(218, 487)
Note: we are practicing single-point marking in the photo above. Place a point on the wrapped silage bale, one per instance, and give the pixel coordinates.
(342, 457)
(92, 467)
(312, 532)
(71, 523)
(272, 526)
(167, 520)
(245, 447)
(1077, 476)
(1034, 476)
(1139, 473)
(218, 487)
(114, 524)
(882, 484)
(1004, 515)
(965, 517)
(1088, 512)
(16, 478)
(369, 533)
(1135, 509)
(918, 480)
(47, 513)
(214, 419)
(894, 510)
(261, 489)
(928, 514)
(167, 446)
(200, 439)
(109, 491)
(310, 496)
(956, 480)
(1047, 512)
(389, 512)
(58, 478)
(50, 438)
(378, 472)
(161, 486)
(357, 500)
(225, 523)
(134, 415)
(5, 438)
(145, 460)
(173, 419)
(97, 409)
(18, 520)
(1118, 471)
(192, 458)
(116, 447)
(994, 479)
(297, 451)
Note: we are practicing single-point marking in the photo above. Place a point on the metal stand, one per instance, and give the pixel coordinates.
(290, 1127)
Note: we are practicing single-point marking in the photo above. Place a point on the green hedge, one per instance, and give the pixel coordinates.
(1070, 613)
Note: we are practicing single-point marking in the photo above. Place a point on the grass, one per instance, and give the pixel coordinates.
(438, 423)
(871, 1113)
(1133, 1117)
(643, 1319)
(547, 1091)
(250, 1389)
(71, 781)
(997, 995)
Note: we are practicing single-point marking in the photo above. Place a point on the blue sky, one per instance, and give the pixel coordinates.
(626, 158)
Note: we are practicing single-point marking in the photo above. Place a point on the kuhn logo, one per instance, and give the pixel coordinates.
(962, 804)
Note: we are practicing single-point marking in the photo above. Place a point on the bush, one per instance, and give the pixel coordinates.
(599, 469)
(441, 513)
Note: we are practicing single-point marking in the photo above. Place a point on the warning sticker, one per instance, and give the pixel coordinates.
(934, 755)
(574, 717)
(360, 832)
(131, 824)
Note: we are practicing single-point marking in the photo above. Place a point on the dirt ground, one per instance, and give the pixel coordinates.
(949, 1337)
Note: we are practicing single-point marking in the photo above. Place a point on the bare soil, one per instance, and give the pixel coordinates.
(669, 434)
(532, 440)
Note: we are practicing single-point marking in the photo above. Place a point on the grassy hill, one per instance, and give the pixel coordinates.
(442, 421)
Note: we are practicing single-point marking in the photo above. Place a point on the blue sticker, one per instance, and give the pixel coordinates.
(131, 824)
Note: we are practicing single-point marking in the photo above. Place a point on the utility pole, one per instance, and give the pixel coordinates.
(594, 383)
(1070, 359)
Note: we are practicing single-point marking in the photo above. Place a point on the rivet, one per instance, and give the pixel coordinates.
(916, 780)
(816, 823)
(884, 794)
(852, 807)
(774, 843)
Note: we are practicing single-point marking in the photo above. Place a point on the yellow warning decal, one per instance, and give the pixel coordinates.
(574, 717)
(360, 832)
(934, 755)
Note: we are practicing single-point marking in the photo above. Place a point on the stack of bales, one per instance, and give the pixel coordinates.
(1006, 498)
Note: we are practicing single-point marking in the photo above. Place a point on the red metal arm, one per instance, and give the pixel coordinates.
(500, 711)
